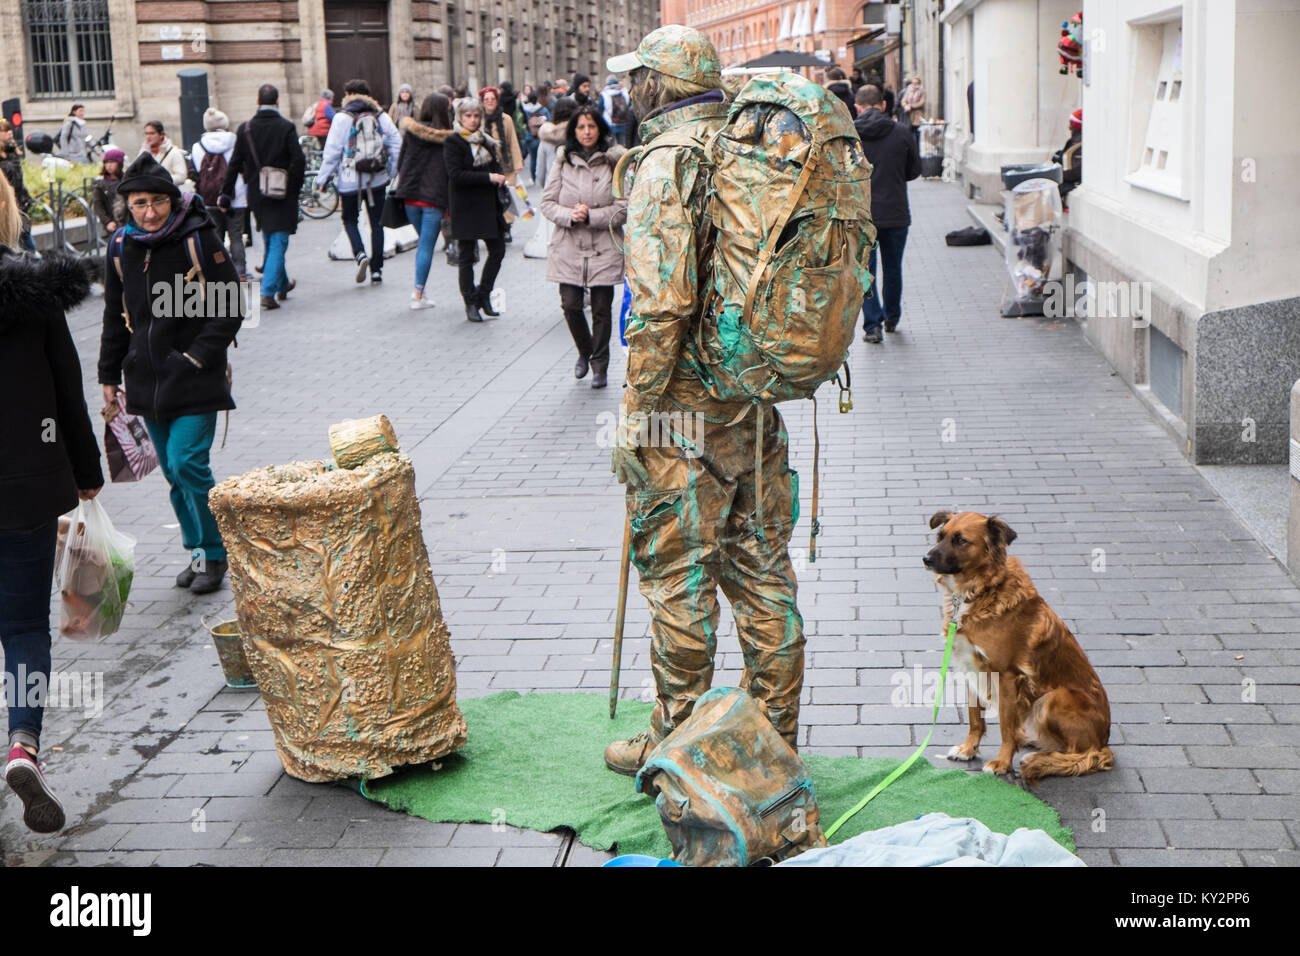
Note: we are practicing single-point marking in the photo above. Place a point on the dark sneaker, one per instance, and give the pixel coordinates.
(580, 369)
(891, 326)
(209, 579)
(629, 756)
(268, 302)
(874, 337)
(42, 811)
(598, 377)
(186, 577)
(376, 277)
(281, 296)
(363, 266)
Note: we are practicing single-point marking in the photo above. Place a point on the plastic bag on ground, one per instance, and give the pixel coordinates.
(93, 567)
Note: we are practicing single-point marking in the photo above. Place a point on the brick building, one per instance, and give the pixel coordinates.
(120, 57)
(745, 29)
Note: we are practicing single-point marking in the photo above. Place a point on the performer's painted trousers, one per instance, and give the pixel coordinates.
(695, 528)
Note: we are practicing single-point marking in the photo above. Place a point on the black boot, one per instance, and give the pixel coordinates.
(580, 370)
(471, 311)
(485, 303)
(598, 376)
(209, 579)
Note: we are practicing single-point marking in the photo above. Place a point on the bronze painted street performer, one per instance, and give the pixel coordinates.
(693, 501)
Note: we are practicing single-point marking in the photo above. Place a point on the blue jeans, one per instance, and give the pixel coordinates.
(374, 200)
(183, 445)
(274, 277)
(26, 576)
(890, 241)
(429, 223)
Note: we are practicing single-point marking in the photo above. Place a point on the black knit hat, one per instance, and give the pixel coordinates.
(146, 176)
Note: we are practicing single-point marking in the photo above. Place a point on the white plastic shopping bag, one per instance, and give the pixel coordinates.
(93, 568)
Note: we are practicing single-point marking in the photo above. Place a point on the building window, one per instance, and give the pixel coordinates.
(69, 48)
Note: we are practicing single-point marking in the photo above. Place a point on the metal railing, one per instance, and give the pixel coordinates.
(56, 205)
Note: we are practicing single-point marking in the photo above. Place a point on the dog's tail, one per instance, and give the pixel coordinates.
(1057, 763)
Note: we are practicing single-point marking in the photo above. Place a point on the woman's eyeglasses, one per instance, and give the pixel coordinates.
(140, 205)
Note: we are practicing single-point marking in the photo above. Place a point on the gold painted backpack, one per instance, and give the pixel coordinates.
(791, 211)
(730, 791)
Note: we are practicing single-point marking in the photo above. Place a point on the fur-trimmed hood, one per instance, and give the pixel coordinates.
(30, 287)
(611, 156)
(410, 124)
(360, 103)
(552, 133)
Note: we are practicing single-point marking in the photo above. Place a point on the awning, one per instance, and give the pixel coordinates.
(866, 37)
(863, 56)
(787, 58)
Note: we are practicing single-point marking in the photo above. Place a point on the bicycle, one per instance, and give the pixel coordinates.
(315, 202)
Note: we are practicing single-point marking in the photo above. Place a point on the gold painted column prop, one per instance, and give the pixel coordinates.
(340, 616)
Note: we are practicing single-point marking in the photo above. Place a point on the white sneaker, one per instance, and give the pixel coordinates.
(421, 303)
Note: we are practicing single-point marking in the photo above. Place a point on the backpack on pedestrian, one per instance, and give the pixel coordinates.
(212, 172)
(618, 108)
(366, 151)
(790, 238)
(309, 115)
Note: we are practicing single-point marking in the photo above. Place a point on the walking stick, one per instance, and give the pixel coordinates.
(622, 613)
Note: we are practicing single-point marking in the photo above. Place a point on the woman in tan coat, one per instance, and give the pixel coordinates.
(586, 250)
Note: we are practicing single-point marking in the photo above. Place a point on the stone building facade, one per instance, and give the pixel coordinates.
(121, 57)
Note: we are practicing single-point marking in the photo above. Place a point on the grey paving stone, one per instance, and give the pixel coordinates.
(487, 835)
(470, 856)
(1178, 857)
(337, 857)
(196, 835)
(1239, 834)
(1196, 780)
(400, 832)
(530, 856)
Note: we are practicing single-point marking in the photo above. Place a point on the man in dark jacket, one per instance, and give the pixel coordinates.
(268, 139)
(48, 459)
(167, 330)
(891, 150)
(837, 84)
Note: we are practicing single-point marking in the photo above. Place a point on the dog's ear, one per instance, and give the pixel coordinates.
(1000, 533)
(939, 518)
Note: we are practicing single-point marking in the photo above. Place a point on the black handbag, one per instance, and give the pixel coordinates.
(504, 199)
(394, 214)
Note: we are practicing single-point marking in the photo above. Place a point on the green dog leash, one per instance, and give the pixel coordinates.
(902, 768)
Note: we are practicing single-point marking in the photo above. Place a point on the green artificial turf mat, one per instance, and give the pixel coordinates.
(536, 761)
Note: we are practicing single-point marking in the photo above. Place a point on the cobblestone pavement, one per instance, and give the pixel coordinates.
(1190, 622)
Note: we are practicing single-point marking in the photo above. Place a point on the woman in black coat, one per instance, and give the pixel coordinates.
(422, 182)
(168, 337)
(474, 176)
(48, 459)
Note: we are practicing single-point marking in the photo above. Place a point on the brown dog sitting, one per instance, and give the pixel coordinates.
(1047, 693)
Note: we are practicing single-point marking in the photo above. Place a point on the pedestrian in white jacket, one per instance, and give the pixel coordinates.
(219, 143)
(166, 154)
(339, 161)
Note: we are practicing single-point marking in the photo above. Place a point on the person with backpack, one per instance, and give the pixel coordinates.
(361, 151)
(211, 155)
(269, 157)
(322, 116)
(617, 109)
(170, 362)
(711, 500)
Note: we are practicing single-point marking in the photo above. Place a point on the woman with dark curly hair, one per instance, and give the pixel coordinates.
(586, 249)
